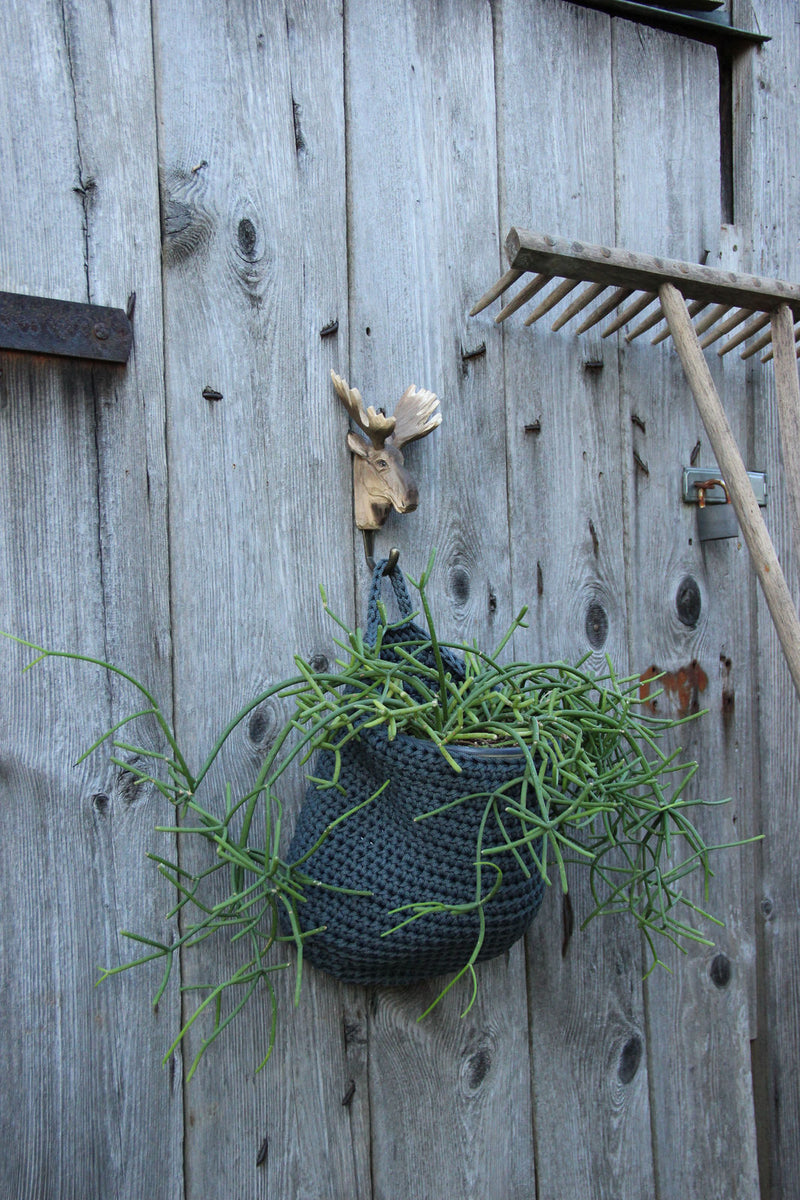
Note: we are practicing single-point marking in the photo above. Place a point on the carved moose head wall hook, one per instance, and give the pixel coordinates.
(380, 480)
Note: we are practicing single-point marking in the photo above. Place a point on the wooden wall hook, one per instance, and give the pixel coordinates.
(381, 481)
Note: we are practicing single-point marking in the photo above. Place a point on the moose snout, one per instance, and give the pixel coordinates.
(408, 500)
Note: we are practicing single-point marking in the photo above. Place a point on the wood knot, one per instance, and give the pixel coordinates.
(247, 237)
(720, 971)
(688, 602)
(476, 1067)
(262, 726)
(596, 625)
(187, 225)
(459, 585)
(630, 1059)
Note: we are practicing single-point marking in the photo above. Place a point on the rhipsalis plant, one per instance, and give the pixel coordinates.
(592, 787)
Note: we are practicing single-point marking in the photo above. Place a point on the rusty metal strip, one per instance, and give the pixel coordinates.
(43, 326)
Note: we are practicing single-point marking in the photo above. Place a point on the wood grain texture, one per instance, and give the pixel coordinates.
(450, 1099)
(787, 397)
(564, 447)
(83, 549)
(772, 193)
(350, 170)
(253, 171)
(668, 194)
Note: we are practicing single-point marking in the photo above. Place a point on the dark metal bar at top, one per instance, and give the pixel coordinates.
(43, 326)
(701, 25)
(621, 268)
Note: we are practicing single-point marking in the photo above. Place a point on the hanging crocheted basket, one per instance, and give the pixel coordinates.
(399, 860)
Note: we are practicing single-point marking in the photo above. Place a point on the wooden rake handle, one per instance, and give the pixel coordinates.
(787, 394)
(754, 530)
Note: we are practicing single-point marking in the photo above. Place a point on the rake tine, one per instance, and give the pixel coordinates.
(608, 278)
(602, 310)
(757, 345)
(523, 296)
(629, 313)
(654, 319)
(563, 289)
(724, 327)
(495, 290)
(750, 328)
(586, 297)
(648, 323)
(712, 317)
(693, 309)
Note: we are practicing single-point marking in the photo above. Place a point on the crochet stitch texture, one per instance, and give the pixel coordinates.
(383, 850)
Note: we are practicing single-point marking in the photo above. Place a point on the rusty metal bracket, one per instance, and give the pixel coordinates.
(43, 326)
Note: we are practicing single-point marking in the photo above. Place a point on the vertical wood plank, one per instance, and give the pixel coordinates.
(83, 548)
(668, 201)
(253, 170)
(450, 1099)
(585, 996)
(770, 196)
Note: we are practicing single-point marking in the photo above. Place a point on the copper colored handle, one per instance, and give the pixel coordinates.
(702, 488)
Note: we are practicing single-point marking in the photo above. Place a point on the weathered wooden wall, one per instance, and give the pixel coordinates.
(255, 171)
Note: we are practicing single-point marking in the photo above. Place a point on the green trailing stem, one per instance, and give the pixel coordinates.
(594, 789)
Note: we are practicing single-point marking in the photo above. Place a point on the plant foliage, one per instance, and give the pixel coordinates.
(594, 788)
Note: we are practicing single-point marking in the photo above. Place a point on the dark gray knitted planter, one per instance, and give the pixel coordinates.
(383, 850)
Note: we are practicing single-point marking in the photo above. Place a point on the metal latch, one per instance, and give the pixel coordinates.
(715, 516)
(43, 326)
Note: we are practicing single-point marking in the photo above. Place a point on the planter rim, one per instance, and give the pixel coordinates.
(495, 753)
(457, 749)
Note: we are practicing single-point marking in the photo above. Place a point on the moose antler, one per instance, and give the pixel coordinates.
(415, 416)
(380, 480)
(376, 425)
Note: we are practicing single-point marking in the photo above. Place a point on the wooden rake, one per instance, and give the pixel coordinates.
(699, 306)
